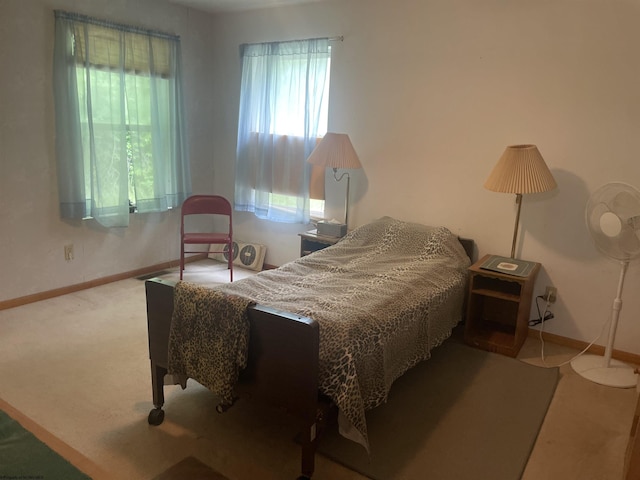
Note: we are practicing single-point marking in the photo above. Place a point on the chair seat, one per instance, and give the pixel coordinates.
(192, 238)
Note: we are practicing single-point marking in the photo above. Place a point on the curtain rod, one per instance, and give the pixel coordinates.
(337, 38)
(109, 24)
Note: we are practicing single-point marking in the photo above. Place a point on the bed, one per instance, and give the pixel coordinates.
(332, 329)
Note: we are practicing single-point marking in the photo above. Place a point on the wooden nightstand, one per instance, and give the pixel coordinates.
(498, 309)
(310, 242)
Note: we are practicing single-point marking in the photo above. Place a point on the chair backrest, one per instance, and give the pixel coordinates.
(214, 204)
(206, 204)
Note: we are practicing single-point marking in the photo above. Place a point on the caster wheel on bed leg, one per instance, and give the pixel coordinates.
(156, 416)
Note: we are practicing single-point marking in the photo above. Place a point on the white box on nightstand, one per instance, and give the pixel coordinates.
(331, 229)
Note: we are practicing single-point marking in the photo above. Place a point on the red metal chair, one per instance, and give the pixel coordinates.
(207, 205)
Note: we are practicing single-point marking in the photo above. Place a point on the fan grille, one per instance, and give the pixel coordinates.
(613, 219)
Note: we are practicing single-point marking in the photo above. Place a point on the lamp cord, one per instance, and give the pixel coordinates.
(335, 175)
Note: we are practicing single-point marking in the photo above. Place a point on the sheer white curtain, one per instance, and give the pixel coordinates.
(283, 110)
(120, 129)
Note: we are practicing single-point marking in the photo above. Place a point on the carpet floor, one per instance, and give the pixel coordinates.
(190, 469)
(461, 412)
(29, 451)
(78, 367)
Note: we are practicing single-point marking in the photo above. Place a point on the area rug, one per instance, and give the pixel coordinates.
(464, 413)
(23, 455)
(190, 468)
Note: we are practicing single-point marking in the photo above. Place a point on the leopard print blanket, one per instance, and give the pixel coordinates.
(384, 296)
(209, 338)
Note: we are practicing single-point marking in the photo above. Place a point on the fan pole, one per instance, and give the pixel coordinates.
(608, 371)
(615, 314)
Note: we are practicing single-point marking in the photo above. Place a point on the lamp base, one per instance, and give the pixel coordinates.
(616, 374)
(515, 228)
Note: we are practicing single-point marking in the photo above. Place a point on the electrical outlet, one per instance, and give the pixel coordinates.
(550, 294)
(68, 252)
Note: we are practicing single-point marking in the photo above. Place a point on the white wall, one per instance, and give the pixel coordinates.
(430, 91)
(32, 236)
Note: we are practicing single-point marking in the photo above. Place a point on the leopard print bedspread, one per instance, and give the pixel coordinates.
(209, 338)
(384, 296)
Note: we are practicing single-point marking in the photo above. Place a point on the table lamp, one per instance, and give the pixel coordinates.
(521, 169)
(336, 151)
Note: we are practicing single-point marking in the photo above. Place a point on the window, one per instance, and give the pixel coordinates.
(120, 135)
(284, 101)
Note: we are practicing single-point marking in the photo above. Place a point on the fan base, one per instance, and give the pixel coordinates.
(616, 374)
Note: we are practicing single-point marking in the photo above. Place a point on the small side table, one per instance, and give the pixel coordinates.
(310, 242)
(498, 308)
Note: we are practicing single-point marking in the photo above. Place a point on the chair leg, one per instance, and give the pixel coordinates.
(231, 262)
(181, 259)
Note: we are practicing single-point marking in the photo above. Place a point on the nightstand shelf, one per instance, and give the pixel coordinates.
(498, 309)
(495, 294)
(311, 242)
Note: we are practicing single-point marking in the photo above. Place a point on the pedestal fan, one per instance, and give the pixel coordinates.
(613, 220)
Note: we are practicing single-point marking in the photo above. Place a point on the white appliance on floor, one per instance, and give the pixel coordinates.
(613, 220)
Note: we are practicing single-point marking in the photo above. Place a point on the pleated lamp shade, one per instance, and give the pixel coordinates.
(335, 151)
(521, 169)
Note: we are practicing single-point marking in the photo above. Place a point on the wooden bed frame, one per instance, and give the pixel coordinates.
(282, 366)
